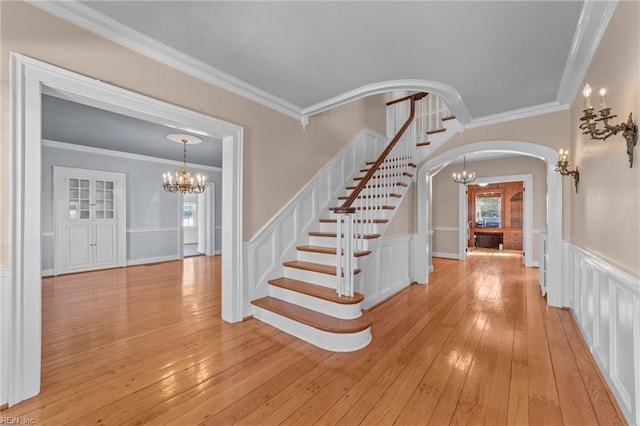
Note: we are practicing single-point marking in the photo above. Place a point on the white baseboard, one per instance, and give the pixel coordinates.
(134, 262)
(446, 255)
(217, 252)
(535, 264)
(47, 272)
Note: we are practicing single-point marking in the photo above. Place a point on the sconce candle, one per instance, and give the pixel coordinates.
(590, 120)
(563, 168)
(603, 99)
(587, 96)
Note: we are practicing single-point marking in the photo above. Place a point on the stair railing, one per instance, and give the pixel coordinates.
(359, 216)
(431, 112)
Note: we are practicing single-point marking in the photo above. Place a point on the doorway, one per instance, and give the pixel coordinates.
(197, 221)
(21, 301)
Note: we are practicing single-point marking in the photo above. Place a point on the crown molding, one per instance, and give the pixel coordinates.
(113, 30)
(517, 114)
(121, 154)
(593, 21)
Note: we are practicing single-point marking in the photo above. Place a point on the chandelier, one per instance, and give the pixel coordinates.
(183, 181)
(464, 178)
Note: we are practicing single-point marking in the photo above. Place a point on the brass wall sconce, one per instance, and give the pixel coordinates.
(590, 123)
(563, 168)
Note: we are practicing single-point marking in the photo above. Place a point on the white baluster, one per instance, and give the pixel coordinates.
(339, 255)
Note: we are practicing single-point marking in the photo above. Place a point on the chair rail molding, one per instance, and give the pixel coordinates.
(277, 239)
(605, 303)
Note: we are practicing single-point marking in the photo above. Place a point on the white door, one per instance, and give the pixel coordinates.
(90, 220)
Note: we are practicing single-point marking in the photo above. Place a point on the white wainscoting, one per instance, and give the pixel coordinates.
(387, 270)
(5, 275)
(277, 240)
(605, 302)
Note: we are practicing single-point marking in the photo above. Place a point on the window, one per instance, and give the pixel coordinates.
(189, 214)
(488, 210)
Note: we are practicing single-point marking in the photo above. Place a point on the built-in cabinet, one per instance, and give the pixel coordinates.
(506, 227)
(90, 219)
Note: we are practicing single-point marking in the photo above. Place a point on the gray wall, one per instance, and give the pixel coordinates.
(153, 215)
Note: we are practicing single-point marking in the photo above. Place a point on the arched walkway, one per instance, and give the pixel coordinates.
(554, 206)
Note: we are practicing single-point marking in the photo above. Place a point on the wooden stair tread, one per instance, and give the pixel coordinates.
(333, 235)
(315, 290)
(449, 117)
(378, 186)
(425, 143)
(388, 160)
(433, 132)
(313, 318)
(384, 168)
(357, 221)
(330, 250)
(383, 176)
(394, 195)
(314, 267)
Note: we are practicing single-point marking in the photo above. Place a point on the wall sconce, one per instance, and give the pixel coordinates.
(563, 168)
(590, 123)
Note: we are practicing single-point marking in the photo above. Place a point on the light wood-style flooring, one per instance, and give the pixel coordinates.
(477, 345)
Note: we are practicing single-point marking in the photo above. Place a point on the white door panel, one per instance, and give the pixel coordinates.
(79, 246)
(106, 245)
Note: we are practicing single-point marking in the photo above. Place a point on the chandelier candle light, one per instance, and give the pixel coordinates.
(183, 181)
(464, 178)
(590, 122)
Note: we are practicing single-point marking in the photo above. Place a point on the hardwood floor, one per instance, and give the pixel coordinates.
(476, 346)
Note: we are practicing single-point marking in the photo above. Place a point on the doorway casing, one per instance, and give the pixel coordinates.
(545, 153)
(29, 80)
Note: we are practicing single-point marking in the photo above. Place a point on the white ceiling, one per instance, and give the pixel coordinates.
(498, 56)
(491, 60)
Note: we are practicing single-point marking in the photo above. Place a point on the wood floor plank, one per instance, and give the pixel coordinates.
(146, 345)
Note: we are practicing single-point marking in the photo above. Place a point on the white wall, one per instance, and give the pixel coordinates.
(153, 215)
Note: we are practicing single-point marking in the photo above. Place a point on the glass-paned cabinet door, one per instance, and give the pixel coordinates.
(79, 198)
(105, 199)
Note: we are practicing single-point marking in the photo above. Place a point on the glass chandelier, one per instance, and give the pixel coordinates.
(464, 178)
(183, 181)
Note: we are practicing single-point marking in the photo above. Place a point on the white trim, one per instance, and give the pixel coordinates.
(47, 272)
(446, 255)
(516, 114)
(605, 301)
(5, 288)
(141, 230)
(593, 21)
(113, 30)
(121, 154)
(554, 205)
(147, 260)
(29, 79)
(450, 95)
(446, 228)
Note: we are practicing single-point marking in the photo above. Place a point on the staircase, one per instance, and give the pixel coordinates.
(316, 300)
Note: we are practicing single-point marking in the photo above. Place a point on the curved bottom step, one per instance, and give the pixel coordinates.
(333, 334)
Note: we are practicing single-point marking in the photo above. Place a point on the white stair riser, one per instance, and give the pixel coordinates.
(324, 259)
(336, 342)
(393, 189)
(338, 310)
(370, 228)
(318, 278)
(331, 242)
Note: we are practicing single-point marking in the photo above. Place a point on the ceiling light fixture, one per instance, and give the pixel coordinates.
(590, 122)
(464, 178)
(183, 181)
